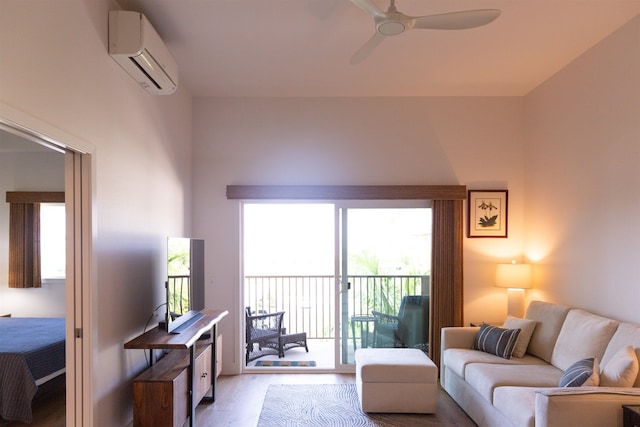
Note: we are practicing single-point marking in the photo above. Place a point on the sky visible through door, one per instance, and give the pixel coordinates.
(288, 239)
(298, 239)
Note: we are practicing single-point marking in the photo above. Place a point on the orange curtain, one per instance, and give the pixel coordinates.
(446, 271)
(24, 245)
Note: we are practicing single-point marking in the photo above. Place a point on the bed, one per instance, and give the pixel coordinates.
(32, 351)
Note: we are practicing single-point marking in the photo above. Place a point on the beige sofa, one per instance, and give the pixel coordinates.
(523, 391)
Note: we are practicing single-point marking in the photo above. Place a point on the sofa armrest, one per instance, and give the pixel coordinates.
(583, 406)
(458, 337)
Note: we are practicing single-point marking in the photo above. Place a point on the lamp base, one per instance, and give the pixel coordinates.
(515, 305)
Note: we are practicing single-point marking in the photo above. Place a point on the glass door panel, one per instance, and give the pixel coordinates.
(288, 266)
(385, 256)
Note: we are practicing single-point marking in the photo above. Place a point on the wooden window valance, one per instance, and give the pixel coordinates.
(347, 192)
(35, 196)
(24, 236)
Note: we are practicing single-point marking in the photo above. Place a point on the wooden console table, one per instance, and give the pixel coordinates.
(178, 365)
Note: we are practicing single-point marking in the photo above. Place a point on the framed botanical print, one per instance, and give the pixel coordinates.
(487, 213)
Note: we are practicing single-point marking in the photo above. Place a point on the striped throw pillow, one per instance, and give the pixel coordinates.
(584, 372)
(498, 341)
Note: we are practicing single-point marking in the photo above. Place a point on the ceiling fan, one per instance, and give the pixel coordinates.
(392, 23)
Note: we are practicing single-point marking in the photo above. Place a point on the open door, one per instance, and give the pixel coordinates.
(79, 250)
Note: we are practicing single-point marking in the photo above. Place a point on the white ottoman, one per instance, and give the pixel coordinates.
(395, 380)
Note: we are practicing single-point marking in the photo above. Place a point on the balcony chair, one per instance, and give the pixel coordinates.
(410, 328)
(263, 334)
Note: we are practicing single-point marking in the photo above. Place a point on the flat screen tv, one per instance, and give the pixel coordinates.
(185, 282)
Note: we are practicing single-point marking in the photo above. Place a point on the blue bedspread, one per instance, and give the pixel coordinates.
(30, 349)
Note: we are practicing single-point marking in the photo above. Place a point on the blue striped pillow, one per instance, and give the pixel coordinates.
(584, 372)
(498, 341)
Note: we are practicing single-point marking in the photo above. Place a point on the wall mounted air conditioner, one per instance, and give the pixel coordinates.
(137, 47)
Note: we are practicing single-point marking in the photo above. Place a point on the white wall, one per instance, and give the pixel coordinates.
(28, 171)
(472, 141)
(583, 180)
(54, 66)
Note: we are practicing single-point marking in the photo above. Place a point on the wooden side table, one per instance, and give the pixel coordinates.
(478, 324)
(364, 329)
(631, 415)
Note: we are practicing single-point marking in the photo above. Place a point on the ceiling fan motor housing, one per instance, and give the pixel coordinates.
(391, 28)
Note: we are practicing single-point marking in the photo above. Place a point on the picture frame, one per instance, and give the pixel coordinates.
(487, 213)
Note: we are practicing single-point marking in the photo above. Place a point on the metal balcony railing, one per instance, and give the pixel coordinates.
(308, 301)
(178, 293)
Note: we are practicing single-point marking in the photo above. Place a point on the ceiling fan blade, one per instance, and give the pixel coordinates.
(457, 20)
(368, 47)
(370, 7)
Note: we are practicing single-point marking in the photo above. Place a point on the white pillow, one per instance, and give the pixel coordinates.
(621, 370)
(526, 327)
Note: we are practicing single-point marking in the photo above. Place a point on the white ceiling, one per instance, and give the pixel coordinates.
(302, 48)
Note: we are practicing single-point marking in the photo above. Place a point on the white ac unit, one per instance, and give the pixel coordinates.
(137, 47)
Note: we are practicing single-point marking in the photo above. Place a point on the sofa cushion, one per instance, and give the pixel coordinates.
(526, 326)
(584, 372)
(582, 335)
(498, 341)
(626, 334)
(457, 359)
(517, 404)
(549, 318)
(484, 378)
(621, 370)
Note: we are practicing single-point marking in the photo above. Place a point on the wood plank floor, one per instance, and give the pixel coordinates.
(238, 401)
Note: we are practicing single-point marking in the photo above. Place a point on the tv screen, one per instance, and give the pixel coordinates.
(185, 282)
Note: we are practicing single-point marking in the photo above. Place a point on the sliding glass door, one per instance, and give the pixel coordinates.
(330, 267)
(385, 256)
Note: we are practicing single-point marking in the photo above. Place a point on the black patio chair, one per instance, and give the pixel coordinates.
(410, 328)
(263, 334)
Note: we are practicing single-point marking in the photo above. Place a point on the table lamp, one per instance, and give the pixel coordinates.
(517, 278)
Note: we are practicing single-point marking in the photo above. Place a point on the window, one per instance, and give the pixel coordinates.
(24, 236)
(52, 241)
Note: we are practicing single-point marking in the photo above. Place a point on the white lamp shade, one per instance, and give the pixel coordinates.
(513, 276)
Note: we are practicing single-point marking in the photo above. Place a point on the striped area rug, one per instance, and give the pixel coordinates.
(334, 405)
(302, 363)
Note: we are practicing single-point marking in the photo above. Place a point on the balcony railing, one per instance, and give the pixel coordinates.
(308, 301)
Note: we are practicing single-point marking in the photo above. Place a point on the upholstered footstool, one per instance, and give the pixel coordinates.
(395, 380)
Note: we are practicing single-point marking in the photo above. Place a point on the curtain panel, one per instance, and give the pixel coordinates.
(24, 245)
(446, 272)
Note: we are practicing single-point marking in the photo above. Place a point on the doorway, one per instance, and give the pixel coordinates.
(77, 289)
(294, 258)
